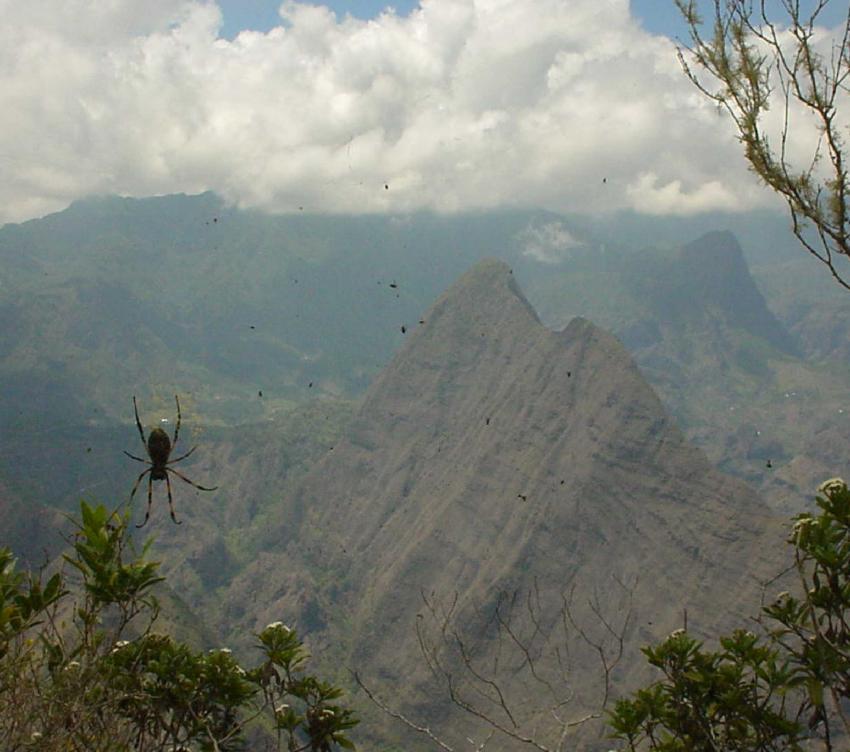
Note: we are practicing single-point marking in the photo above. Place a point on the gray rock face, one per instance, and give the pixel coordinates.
(496, 456)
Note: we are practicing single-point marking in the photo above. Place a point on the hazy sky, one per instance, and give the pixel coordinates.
(444, 104)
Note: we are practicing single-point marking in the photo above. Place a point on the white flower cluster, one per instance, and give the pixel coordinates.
(278, 625)
(831, 486)
(801, 524)
(676, 633)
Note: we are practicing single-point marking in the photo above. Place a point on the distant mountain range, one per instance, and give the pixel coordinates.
(246, 315)
(377, 453)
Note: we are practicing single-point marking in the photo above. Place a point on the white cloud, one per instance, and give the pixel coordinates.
(549, 243)
(463, 104)
(671, 198)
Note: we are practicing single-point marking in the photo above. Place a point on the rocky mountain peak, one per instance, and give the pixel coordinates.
(484, 299)
(714, 274)
(479, 356)
(490, 440)
(492, 455)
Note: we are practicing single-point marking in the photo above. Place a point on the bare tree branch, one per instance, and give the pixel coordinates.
(507, 664)
(400, 717)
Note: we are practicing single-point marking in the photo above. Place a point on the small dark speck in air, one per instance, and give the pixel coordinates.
(604, 180)
(421, 321)
(215, 219)
(393, 285)
(403, 329)
(562, 482)
(569, 373)
(769, 464)
(260, 393)
(487, 422)
(522, 496)
(88, 449)
(300, 208)
(386, 186)
(253, 327)
(310, 385)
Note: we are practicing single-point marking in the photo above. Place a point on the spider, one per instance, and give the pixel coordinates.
(158, 447)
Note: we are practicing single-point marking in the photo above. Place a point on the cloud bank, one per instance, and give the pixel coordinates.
(464, 104)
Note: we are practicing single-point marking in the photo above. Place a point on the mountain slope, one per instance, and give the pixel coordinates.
(495, 456)
(745, 389)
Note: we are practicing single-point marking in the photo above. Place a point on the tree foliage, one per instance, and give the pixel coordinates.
(753, 62)
(81, 667)
(785, 688)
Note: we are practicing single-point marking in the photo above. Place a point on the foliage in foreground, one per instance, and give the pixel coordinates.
(752, 62)
(82, 669)
(786, 688)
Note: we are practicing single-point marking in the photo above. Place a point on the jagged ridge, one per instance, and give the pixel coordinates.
(493, 454)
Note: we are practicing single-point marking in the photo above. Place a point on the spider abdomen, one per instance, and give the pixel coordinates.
(159, 447)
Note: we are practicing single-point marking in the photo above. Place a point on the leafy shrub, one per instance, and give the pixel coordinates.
(786, 688)
(81, 667)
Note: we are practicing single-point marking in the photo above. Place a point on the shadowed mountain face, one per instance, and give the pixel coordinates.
(494, 455)
(711, 278)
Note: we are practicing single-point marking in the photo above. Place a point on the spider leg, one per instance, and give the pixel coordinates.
(138, 422)
(171, 462)
(133, 457)
(150, 500)
(138, 480)
(186, 480)
(177, 427)
(170, 502)
(136, 488)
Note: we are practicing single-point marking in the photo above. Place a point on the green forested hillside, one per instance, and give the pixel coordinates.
(115, 296)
